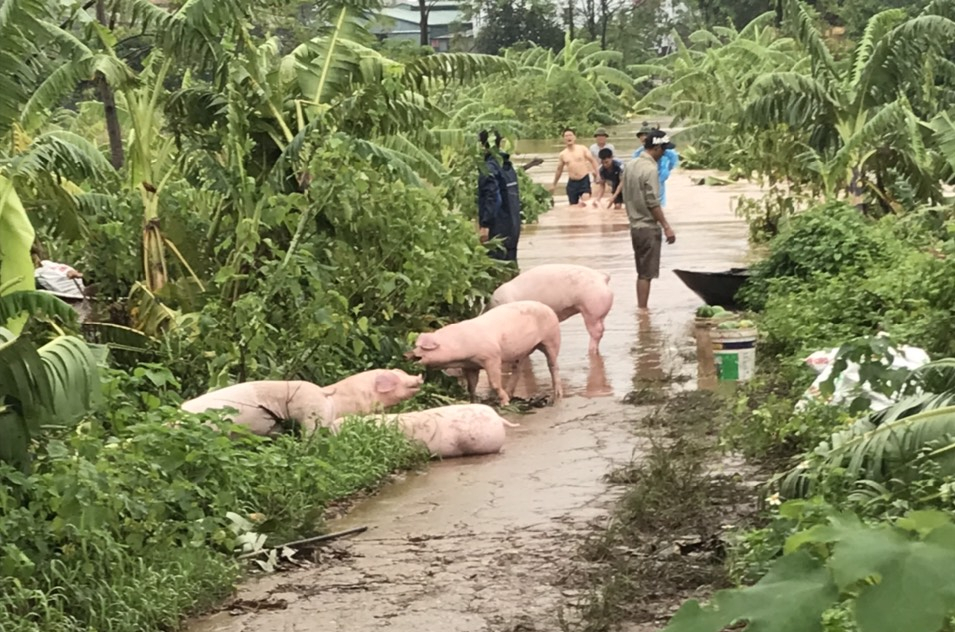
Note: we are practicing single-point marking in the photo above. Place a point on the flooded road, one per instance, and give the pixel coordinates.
(489, 543)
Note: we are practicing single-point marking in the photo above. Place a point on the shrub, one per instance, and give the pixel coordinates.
(126, 532)
(544, 106)
(832, 238)
(379, 260)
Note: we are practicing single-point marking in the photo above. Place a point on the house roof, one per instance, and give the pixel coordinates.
(438, 16)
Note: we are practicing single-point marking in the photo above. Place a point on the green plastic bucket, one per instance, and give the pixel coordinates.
(734, 351)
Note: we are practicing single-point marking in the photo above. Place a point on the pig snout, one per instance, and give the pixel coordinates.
(413, 383)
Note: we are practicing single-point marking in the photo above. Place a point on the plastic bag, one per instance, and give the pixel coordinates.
(60, 280)
(847, 387)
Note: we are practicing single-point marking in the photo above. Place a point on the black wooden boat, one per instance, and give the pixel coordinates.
(715, 288)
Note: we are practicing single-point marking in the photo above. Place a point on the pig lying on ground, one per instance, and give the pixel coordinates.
(373, 391)
(263, 405)
(504, 335)
(449, 431)
(568, 290)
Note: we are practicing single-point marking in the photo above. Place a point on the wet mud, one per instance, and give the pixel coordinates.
(491, 543)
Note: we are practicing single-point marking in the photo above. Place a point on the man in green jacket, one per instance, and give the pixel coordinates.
(641, 196)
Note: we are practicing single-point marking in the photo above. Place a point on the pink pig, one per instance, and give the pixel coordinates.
(507, 334)
(264, 404)
(568, 290)
(372, 391)
(449, 431)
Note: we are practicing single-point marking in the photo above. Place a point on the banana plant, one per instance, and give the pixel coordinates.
(51, 384)
(859, 117)
(16, 239)
(705, 85)
(876, 447)
(47, 385)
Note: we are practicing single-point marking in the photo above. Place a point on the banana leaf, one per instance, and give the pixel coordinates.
(49, 385)
(16, 239)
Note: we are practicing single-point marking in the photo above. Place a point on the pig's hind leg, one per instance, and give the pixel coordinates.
(551, 349)
(595, 327)
(594, 315)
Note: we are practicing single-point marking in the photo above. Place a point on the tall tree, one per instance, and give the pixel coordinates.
(424, 13)
(570, 17)
(637, 29)
(721, 12)
(113, 129)
(597, 16)
(505, 24)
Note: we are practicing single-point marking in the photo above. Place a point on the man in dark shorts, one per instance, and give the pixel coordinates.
(641, 196)
(580, 163)
(611, 172)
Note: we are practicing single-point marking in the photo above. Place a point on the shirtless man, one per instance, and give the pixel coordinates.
(580, 163)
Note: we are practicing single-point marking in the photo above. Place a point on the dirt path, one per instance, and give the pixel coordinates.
(489, 543)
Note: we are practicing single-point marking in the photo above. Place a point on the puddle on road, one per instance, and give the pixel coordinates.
(487, 543)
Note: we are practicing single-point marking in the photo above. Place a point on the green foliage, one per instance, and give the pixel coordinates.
(581, 86)
(893, 450)
(135, 521)
(856, 14)
(832, 563)
(824, 123)
(779, 103)
(636, 29)
(48, 385)
(829, 239)
(403, 51)
(352, 308)
(535, 198)
(507, 23)
(832, 276)
(764, 425)
(720, 13)
(32, 303)
(16, 237)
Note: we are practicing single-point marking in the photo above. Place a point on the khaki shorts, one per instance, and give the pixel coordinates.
(647, 243)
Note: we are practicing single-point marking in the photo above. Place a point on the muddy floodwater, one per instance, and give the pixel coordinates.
(489, 543)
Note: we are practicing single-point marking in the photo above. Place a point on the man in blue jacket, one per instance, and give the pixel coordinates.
(666, 165)
(499, 200)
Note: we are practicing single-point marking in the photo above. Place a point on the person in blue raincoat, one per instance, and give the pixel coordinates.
(499, 201)
(666, 165)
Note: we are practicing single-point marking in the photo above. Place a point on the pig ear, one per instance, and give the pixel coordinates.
(386, 382)
(428, 343)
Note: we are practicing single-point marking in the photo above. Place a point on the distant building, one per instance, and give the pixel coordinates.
(402, 20)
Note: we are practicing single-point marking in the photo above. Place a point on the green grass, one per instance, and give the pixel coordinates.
(129, 533)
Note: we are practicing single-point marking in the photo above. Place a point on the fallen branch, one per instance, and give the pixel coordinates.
(318, 538)
(533, 163)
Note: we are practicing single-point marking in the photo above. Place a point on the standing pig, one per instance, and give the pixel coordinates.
(263, 405)
(507, 334)
(568, 290)
(449, 431)
(373, 391)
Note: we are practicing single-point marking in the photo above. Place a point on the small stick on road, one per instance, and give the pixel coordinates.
(318, 538)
